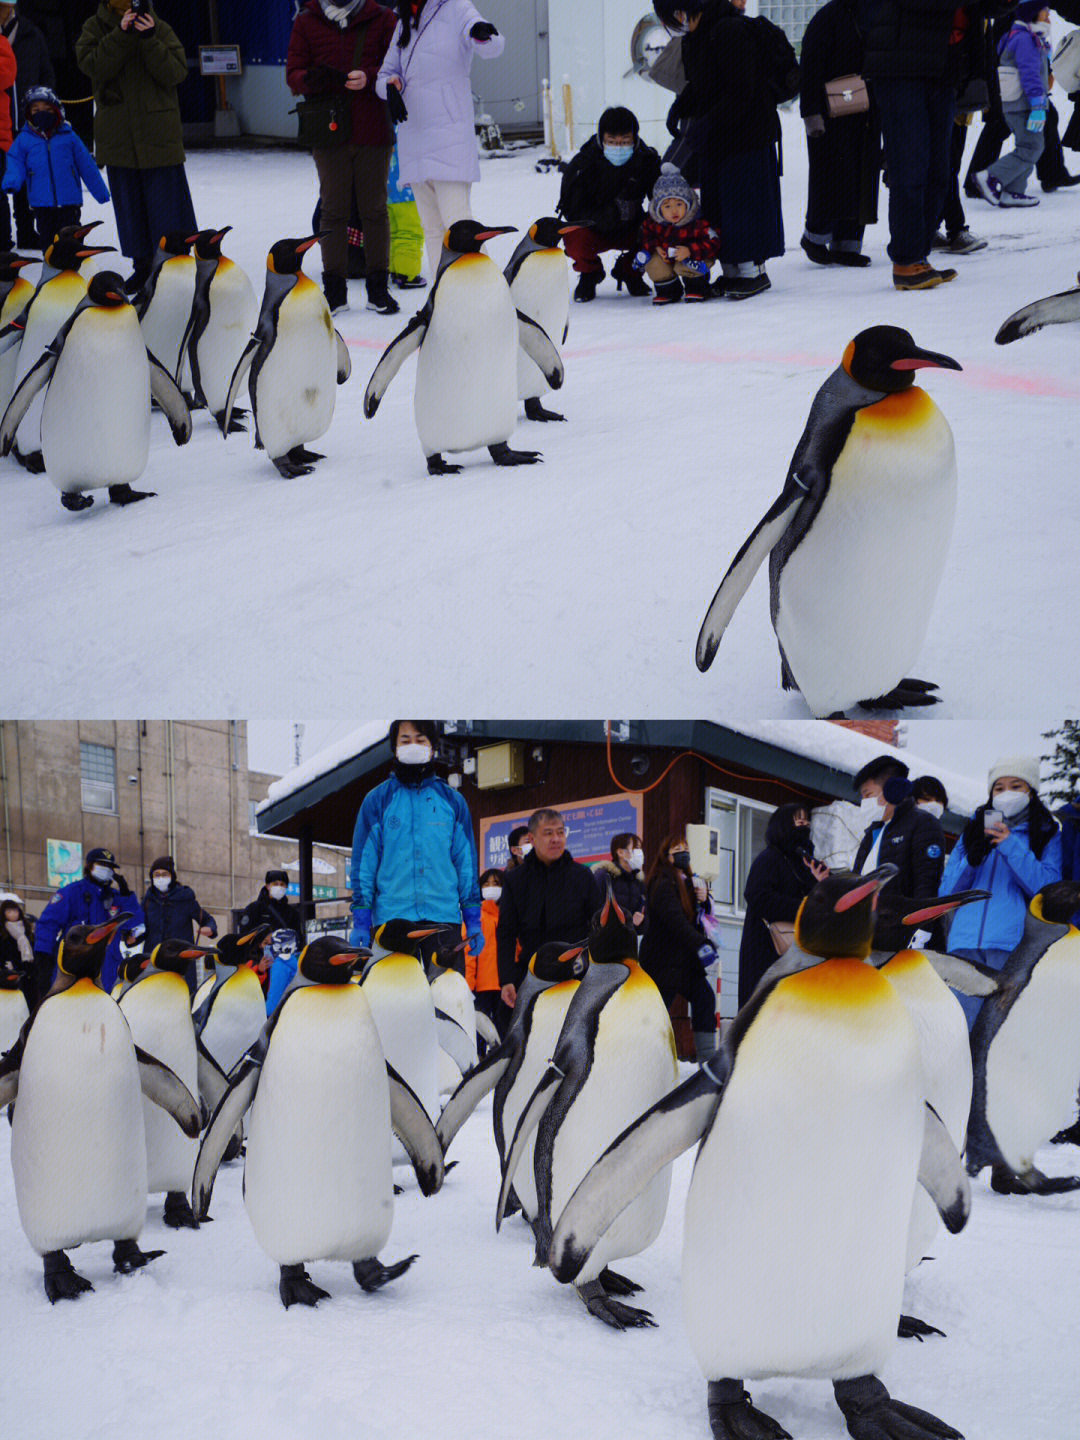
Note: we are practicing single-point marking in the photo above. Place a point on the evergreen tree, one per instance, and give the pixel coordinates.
(1065, 760)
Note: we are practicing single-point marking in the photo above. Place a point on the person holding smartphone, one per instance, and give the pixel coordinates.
(1011, 846)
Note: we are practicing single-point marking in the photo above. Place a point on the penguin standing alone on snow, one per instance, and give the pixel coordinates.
(468, 334)
(816, 1092)
(296, 358)
(539, 280)
(874, 476)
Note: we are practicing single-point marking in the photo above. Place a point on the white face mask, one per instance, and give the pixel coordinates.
(491, 892)
(102, 874)
(1041, 27)
(526, 849)
(1011, 802)
(277, 892)
(932, 807)
(162, 882)
(414, 752)
(637, 859)
(871, 809)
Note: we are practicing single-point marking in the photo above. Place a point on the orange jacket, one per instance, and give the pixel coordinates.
(7, 80)
(482, 972)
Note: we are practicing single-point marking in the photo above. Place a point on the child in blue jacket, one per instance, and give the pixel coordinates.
(1024, 76)
(49, 158)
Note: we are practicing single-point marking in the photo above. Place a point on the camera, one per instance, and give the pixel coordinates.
(139, 7)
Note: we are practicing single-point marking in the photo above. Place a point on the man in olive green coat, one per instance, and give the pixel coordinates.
(135, 63)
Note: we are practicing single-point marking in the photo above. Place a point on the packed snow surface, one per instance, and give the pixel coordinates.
(580, 582)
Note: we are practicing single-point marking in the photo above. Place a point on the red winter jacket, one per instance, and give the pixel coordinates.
(315, 41)
(7, 80)
(698, 237)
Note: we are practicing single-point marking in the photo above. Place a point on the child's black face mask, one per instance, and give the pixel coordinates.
(47, 121)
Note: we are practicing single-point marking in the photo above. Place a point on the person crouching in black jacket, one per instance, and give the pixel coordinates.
(603, 194)
(780, 878)
(675, 952)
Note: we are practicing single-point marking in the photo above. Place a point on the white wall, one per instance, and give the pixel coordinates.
(262, 100)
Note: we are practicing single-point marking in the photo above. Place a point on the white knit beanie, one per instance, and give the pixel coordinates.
(1024, 767)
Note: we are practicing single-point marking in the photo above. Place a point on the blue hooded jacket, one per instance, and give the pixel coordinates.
(413, 855)
(51, 167)
(1012, 874)
(85, 902)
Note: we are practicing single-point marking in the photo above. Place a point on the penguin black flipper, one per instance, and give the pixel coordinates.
(213, 1082)
(475, 1084)
(197, 323)
(242, 367)
(630, 1162)
(170, 400)
(165, 1088)
(9, 1075)
(228, 1113)
(395, 354)
(1059, 309)
(344, 359)
(35, 379)
(409, 1122)
(941, 1173)
(537, 344)
(529, 1119)
(12, 333)
(454, 1039)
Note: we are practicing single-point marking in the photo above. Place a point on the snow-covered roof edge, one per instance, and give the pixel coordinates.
(323, 761)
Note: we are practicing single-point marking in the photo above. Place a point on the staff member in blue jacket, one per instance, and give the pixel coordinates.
(1014, 856)
(101, 895)
(413, 856)
(50, 159)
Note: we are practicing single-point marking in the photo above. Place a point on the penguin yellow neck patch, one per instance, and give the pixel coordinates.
(907, 408)
(840, 982)
(904, 961)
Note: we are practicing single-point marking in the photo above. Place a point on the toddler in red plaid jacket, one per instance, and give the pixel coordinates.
(676, 246)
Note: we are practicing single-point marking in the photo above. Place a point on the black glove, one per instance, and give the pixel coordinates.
(323, 78)
(483, 30)
(976, 845)
(122, 887)
(396, 105)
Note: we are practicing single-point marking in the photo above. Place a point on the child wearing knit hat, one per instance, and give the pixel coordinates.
(676, 246)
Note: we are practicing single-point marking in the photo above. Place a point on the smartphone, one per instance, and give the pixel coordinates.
(992, 818)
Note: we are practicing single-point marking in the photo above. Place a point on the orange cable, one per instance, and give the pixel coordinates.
(694, 754)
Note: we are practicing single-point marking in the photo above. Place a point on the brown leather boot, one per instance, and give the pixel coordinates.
(920, 276)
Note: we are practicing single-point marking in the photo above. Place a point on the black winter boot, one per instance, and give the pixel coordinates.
(336, 290)
(623, 273)
(667, 291)
(585, 289)
(378, 296)
(696, 287)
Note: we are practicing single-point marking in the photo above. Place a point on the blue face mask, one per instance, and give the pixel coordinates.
(618, 154)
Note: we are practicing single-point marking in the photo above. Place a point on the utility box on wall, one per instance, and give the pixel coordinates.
(500, 766)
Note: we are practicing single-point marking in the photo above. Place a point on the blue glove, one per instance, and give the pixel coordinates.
(360, 934)
(1036, 120)
(640, 260)
(707, 954)
(474, 933)
(699, 267)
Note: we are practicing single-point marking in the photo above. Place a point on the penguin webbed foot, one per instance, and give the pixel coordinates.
(912, 1328)
(76, 500)
(616, 1284)
(62, 1280)
(535, 411)
(1032, 1182)
(372, 1274)
(234, 1150)
(125, 495)
(871, 1413)
(399, 1189)
(127, 1257)
(178, 1214)
(908, 692)
(299, 455)
(612, 1312)
(288, 468)
(436, 465)
(34, 460)
(732, 1416)
(236, 425)
(1069, 1136)
(297, 1288)
(503, 455)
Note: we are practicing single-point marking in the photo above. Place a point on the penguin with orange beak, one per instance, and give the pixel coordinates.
(294, 363)
(873, 477)
(468, 335)
(223, 312)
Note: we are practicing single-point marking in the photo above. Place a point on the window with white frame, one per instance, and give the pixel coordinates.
(792, 16)
(741, 824)
(98, 764)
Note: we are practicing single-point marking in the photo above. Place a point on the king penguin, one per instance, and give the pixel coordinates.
(59, 290)
(539, 280)
(78, 1146)
(615, 1057)
(95, 423)
(15, 295)
(163, 305)
(816, 1091)
(1060, 309)
(223, 313)
(157, 1006)
(454, 1003)
(296, 361)
(873, 477)
(232, 1014)
(14, 1011)
(468, 334)
(1024, 1049)
(317, 1179)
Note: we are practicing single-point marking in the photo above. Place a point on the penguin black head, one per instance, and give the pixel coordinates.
(132, 966)
(207, 243)
(10, 265)
(1056, 903)
(465, 237)
(82, 950)
(611, 937)
(885, 358)
(836, 920)
(449, 951)
(286, 257)
(107, 289)
(402, 937)
(327, 961)
(547, 231)
(67, 250)
(556, 961)
(175, 242)
(174, 956)
(241, 949)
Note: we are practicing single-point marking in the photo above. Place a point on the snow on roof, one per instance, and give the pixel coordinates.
(325, 760)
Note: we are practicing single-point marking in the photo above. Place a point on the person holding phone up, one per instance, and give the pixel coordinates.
(1011, 846)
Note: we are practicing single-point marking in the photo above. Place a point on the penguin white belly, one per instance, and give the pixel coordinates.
(95, 424)
(158, 1011)
(78, 1151)
(13, 1013)
(404, 1013)
(946, 1059)
(541, 290)
(317, 1180)
(236, 1018)
(452, 996)
(166, 316)
(549, 1012)
(297, 383)
(466, 372)
(797, 1216)
(16, 301)
(634, 1066)
(53, 306)
(1033, 1063)
(851, 612)
(233, 312)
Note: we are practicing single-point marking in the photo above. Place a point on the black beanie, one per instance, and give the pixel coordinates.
(617, 120)
(278, 875)
(164, 862)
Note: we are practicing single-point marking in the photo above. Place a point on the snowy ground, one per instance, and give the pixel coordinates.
(238, 592)
(475, 1344)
